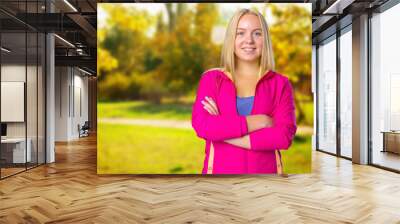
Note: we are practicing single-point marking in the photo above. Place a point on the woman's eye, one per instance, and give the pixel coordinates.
(240, 33)
(258, 34)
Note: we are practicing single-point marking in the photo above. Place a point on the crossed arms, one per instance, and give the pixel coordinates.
(255, 132)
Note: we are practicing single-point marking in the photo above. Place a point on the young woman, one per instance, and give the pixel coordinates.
(244, 110)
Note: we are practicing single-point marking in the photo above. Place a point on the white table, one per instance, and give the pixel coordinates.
(19, 149)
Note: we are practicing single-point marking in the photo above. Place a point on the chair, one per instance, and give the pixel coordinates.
(84, 130)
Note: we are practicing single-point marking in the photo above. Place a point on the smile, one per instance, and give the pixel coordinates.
(248, 50)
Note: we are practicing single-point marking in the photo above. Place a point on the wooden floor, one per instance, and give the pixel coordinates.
(10, 171)
(70, 191)
(388, 159)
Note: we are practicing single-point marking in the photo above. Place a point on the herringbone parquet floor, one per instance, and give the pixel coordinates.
(70, 191)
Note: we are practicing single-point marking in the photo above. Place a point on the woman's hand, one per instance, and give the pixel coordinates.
(243, 142)
(259, 121)
(254, 122)
(210, 106)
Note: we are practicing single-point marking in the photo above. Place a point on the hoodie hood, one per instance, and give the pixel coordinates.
(268, 74)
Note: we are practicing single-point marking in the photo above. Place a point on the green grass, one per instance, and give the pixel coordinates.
(166, 110)
(149, 150)
(308, 108)
(145, 110)
(145, 150)
(298, 158)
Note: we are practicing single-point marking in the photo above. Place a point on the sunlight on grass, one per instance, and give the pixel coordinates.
(145, 150)
(298, 158)
(145, 110)
(151, 150)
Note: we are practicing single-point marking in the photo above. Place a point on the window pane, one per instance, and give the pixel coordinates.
(385, 85)
(345, 94)
(14, 150)
(31, 99)
(327, 96)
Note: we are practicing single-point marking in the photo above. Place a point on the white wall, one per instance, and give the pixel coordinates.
(71, 94)
(33, 126)
(12, 101)
(13, 73)
(62, 80)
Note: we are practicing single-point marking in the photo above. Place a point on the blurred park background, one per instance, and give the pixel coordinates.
(150, 59)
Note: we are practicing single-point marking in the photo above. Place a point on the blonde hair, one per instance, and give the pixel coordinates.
(228, 49)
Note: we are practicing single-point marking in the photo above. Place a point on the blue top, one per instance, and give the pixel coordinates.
(244, 105)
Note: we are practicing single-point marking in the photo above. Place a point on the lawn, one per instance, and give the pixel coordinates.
(147, 150)
(166, 110)
(298, 158)
(144, 110)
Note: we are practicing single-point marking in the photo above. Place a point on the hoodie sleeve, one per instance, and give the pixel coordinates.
(214, 127)
(281, 134)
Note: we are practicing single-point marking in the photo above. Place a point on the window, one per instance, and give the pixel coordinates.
(346, 75)
(22, 80)
(385, 89)
(327, 95)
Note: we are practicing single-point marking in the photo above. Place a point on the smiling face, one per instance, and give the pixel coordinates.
(249, 39)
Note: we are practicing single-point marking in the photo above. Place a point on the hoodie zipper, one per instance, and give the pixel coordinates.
(252, 109)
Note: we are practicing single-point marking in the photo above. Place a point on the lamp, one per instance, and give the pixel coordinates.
(70, 5)
(5, 50)
(64, 40)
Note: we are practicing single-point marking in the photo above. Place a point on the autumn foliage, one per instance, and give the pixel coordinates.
(145, 56)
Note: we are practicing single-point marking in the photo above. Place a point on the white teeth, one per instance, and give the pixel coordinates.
(248, 49)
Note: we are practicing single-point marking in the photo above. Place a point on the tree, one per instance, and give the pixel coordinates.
(122, 48)
(186, 49)
(291, 40)
(104, 55)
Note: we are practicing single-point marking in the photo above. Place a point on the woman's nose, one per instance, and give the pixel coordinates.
(249, 39)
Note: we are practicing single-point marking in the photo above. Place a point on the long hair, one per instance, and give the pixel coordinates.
(228, 50)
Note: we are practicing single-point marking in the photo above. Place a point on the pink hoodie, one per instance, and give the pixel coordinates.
(273, 97)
